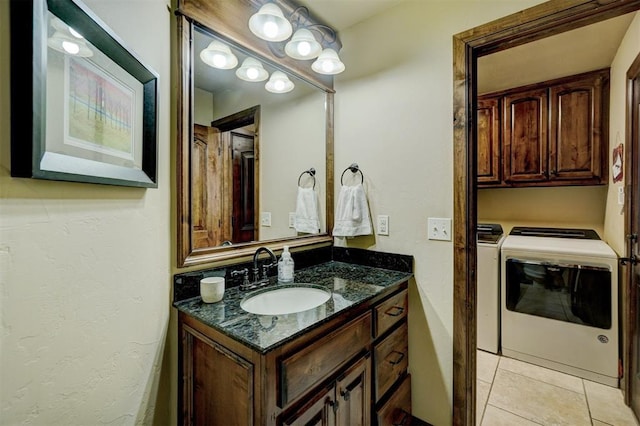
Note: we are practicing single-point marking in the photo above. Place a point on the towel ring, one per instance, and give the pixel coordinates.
(312, 173)
(354, 169)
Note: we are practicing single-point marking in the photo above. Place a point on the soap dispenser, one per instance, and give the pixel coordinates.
(285, 266)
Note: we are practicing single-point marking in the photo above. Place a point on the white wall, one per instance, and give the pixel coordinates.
(394, 108)
(85, 269)
(627, 52)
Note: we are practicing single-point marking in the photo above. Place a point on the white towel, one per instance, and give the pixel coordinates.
(307, 219)
(352, 213)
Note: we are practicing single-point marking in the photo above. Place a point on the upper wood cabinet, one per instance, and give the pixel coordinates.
(548, 134)
(489, 149)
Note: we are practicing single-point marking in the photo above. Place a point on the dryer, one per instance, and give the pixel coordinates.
(489, 237)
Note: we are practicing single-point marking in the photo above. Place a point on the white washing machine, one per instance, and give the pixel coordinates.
(559, 301)
(490, 238)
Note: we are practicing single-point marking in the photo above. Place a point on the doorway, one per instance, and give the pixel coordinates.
(541, 21)
(632, 217)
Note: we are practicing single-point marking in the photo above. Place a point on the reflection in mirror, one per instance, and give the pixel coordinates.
(249, 148)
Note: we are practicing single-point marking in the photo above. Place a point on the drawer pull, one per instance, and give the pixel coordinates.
(397, 360)
(395, 311)
(403, 419)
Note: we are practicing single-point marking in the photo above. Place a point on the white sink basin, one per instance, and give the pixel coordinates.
(283, 300)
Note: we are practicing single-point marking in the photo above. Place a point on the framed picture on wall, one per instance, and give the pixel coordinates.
(83, 107)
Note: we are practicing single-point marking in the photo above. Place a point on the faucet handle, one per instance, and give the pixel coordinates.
(265, 270)
(245, 273)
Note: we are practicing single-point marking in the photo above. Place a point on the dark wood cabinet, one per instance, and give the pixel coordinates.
(323, 377)
(489, 147)
(551, 133)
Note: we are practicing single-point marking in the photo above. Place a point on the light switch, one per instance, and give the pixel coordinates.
(265, 218)
(439, 228)
(621, 195)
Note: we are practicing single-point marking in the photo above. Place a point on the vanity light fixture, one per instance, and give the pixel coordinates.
(67, 40)
(279, 83)
(328, 63)
(303, 45)
(269, 23)
(252, 70)
(218, 55)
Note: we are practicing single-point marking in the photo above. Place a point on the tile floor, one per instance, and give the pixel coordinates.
(513, 393)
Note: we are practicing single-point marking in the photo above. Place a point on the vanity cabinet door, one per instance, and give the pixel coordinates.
(397, 410)
(319, 411)
(217, 384)
(489, 146)
(353, 395)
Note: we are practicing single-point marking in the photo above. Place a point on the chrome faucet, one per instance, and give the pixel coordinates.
(260, 276)
(264, 278)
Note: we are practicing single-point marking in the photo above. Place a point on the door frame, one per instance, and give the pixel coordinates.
(629, 290)
(547, 19)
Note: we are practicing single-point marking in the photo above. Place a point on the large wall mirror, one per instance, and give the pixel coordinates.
(246, 147)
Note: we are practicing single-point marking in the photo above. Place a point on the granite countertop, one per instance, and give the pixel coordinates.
(350, 284)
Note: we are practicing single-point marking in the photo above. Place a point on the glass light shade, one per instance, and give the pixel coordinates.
(69, 45)
(269, 23)
(252, 70)
(303, 45)
(328, 63)
(218, 55)
(279, 83)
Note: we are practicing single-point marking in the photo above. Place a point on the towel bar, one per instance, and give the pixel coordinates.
(312, 173)
(354, 169)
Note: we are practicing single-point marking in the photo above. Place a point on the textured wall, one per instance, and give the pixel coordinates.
(85, 269)
(393, 117)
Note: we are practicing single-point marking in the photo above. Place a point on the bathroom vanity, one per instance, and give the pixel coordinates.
(343, 362)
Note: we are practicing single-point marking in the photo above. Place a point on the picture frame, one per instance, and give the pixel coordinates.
(83, 106)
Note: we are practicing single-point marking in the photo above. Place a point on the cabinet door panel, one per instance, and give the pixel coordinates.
(221, 387)
(319, 411)
(525, 136)
(397, 410)
(489, 167)
(353, 394)
(575, 141)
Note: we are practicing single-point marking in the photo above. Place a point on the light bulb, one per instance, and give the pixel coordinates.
(270, 29)
(219, 60)
(75, 33)
(327, 66)
(70, 47)
(252, 73)
(304, 48)
(279, 85)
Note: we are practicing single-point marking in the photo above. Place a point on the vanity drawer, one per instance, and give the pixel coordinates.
(389, 312)
(306, 368)
(397, 410)
(391, 358)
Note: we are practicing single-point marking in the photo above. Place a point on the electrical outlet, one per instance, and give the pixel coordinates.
(439, 228)
(621, 195)
(383, 224)
(265, 218)
(292, 219)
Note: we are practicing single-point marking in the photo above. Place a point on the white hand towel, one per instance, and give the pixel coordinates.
(307, 219)
(352, 213)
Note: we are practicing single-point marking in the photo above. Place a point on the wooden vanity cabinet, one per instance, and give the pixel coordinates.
(343, 372)
(552, 133)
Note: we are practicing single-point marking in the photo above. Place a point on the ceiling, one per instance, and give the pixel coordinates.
(341, 14)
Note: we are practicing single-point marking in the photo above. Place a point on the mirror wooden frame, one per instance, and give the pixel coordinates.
(216, 16)
(547, 19)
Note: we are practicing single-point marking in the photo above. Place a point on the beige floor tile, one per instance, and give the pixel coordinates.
(543, 374)
(607, 405)
(486, 364)
(599, 423)
(538, 401)
(482, 395)
(494, 416)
